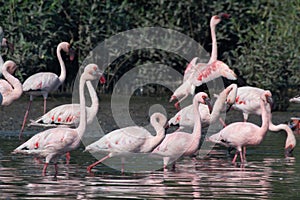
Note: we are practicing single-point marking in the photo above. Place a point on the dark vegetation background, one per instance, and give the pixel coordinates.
(260, 41)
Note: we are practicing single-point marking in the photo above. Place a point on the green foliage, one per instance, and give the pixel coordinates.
(260, 40)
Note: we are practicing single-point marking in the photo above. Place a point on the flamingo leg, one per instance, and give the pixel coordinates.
(244, 153)
(45, 105)
(56, 169)
(235, 156)
(122, 160)
(68, 157)
(89, 168)
(25, 118)
(241, 156)
(45, 169)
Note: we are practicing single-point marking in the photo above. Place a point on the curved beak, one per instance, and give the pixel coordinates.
(224, 16)
(102, 79)
(208, 103)
(71, 54)
(288, 151)
(229, 105)
(270, 101)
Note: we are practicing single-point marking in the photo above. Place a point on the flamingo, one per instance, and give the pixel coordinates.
(68, 114)
(247, 102)
(52, 143)
(185, 117)
(44, 82)
(242, 134)
(133, 139)
(200, 76)
(295, 99)
(183, 90)
(11, 88)
(178, 144)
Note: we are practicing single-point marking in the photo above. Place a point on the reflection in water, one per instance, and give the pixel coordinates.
(266, 175)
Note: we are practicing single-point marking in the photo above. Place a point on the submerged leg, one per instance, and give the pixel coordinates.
(235, 156)
(45, 169)
(68, 157)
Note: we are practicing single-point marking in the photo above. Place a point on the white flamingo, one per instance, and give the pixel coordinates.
(242, 134)
(55, 142)
(44, 82)
(185, 117)
(11, 88)
(178, 143)
(133, 139)
(68, 114)
(187, 86)
(247, 101)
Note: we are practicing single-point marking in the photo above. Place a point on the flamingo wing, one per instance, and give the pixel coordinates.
(67, 114)
(41, 81)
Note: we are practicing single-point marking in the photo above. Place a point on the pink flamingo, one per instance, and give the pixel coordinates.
(44, 82)
(179, 143)
(133, 139)
(247, 102)
(200, 76)
(242, 134)
(68, 114)
(54, 142)
(185, 117)
(187, 87)
(11, 88)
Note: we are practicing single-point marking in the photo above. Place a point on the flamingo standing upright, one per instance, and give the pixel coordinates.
(187, 87)
(52, 143)
(242, 134)
(185, 117)
(68, 114)
(44, 82)
(133, 139)
(11, 88)
(247, 102)
(178, 144)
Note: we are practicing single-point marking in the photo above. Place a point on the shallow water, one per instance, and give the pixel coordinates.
(266, 175)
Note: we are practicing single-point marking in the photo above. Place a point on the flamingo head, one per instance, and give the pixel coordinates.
(66, 47)
(231, 92)
(268, 96)
(11, 67)
(218, 18)
(289, 150)
(92, 72)
(203, 98)
(6, 43)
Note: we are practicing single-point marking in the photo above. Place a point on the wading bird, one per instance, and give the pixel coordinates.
(53, 143)
(11, 88)
(44, 82)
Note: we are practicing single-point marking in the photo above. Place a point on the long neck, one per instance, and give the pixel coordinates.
(93, 110)
(197, 125)
(16, 84)
(265, 115)
(160, 133)
(62, 75)
(214, 50)
(290, 141)
(82, 123)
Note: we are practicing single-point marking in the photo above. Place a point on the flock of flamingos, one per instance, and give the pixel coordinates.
(68, 122)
